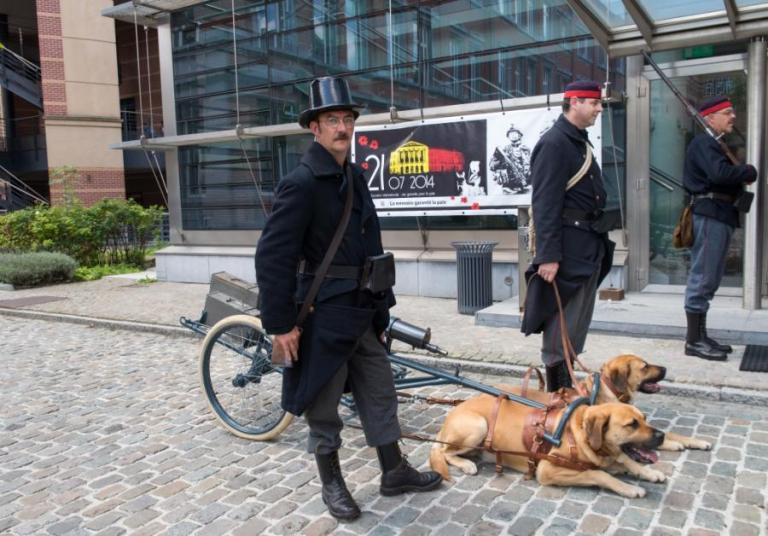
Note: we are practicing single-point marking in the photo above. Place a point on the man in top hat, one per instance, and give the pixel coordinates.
(714, 184)
(571, 248)
(340, 344)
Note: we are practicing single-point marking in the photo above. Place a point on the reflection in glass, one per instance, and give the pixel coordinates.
(659, 10)
(611, 12)
(672, 129)
(425, 54)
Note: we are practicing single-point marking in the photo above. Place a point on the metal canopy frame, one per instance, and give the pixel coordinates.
(731, 23)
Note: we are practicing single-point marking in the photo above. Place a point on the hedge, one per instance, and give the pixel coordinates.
(112, 231)
(35, 269)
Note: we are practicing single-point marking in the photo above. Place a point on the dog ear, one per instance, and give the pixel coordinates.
(595, 426)
(619, 377)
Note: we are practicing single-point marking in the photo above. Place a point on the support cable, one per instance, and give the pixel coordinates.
(22, 186)
(234, 56)
(238, 127)
(138, 67)
(391, 54)
(149, 83)
(157, 180)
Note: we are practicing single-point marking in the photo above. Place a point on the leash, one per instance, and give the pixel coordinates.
(431, 399)
(554, 459)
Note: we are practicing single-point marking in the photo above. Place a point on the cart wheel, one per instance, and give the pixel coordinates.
(242, 387)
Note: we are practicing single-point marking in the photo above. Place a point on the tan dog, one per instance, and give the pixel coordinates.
(621, 378)
(611, 436)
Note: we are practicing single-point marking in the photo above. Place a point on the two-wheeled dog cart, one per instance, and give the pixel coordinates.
(242, 386)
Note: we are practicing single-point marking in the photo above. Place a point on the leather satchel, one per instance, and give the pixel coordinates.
(282, 358)
(682, 236)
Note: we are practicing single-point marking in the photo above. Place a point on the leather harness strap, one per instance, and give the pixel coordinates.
(492, 431)
(527, 378)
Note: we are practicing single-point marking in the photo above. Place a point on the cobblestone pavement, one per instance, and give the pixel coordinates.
(106, 432)
(162, 303)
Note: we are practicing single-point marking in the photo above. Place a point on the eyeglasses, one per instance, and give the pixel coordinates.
(334, 121)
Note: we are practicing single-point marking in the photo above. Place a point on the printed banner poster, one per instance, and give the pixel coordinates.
(454, 166)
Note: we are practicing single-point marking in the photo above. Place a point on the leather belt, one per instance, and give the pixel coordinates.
(336, 271)
(575, 214)
(579, 224)
(716, 195)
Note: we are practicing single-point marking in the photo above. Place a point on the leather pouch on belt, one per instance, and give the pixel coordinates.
(378, 273)
(744, 201)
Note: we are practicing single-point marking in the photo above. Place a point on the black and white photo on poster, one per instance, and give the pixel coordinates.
(454, 166)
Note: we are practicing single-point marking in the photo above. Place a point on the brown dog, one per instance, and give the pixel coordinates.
(611, 436)
(621, 378)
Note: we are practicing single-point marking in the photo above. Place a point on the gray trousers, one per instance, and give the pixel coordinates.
(711, 239)
(369, 374)
(578, 316)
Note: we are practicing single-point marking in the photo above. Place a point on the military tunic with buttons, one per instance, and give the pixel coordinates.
(308, 206)
(581, 252)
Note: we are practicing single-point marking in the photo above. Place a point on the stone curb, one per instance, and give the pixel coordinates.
(687, 390)
(146, 327)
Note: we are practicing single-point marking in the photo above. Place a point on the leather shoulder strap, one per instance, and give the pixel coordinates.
(573, 181)
(330, 253)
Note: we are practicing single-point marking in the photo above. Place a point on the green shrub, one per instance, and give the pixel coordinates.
(112, 231)
(91, 273)
(35, 269)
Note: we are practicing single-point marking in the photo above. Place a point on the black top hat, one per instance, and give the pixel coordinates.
(326, 94)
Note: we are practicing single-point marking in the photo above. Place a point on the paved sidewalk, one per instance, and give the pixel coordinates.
(107, 432)
(159, 305)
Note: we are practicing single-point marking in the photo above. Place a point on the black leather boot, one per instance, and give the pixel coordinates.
(695, 344)
(727, 348)
(399, 477)
(335, 494)
(557, 377)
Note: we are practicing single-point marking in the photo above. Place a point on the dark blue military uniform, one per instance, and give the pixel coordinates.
(708, 171)
(563, 233)
(309, 203)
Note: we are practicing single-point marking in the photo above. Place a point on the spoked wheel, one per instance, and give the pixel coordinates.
(242, 387)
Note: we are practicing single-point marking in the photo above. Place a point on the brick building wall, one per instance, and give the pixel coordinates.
(79, 132)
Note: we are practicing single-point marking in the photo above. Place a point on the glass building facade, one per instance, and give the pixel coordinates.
(402, 55)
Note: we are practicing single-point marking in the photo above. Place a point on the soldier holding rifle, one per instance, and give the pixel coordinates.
(715, 182)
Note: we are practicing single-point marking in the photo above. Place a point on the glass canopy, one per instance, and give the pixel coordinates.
(626, 27)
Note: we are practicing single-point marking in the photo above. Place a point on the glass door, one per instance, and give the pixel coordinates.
(671, 129)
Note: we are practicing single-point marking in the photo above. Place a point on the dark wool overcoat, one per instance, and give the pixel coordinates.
(308, 206)
(707, 169)
(557, 157)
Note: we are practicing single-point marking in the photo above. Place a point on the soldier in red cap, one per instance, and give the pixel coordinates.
(715, 185)
(340, 343)
(571, 247)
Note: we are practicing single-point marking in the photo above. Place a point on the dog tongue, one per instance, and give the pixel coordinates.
(650, 388)
(641, 455)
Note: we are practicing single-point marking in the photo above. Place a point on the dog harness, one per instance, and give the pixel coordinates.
(538, 437)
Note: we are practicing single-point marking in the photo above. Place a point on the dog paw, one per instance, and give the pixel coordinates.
(469, 468)
(699, 444)
(633, 492)
(672, 445)
(652, 475)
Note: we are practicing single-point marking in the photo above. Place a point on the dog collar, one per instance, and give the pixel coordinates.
(595, 388)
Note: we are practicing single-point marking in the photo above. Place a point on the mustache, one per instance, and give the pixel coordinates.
(341, 137)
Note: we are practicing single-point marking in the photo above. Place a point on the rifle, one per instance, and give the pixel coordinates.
(743, 200)
(691, 109)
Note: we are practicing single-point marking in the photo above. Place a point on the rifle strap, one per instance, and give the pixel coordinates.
(330, 253)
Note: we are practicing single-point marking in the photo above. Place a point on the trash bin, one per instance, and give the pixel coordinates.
(474, 269)
(523, 253)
